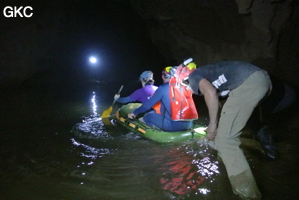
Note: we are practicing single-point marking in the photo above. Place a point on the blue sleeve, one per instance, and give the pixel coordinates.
(124, 100)
(151, 102)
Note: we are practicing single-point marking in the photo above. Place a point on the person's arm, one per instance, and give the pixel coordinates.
(149, 103)
(212, 102)
(124, 99)
(131, 98)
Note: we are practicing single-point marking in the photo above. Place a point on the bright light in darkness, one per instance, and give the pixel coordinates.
(94, 104)
(92, 59)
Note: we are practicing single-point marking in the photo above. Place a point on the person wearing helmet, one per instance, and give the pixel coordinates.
(167, 74)
(162, 121)
(192, 66)
(142, 94)
(246, 85)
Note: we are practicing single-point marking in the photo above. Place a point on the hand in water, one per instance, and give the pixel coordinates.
(211, 131)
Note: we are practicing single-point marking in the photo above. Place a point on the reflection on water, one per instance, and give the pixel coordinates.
(114, 153)
(90, 160)
(91, 152)
(91, 127)
(185, 171)
(94, 104)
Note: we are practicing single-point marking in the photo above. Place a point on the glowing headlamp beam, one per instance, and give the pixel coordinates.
(92, 59)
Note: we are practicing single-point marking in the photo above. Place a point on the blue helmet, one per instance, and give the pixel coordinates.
(146, 75)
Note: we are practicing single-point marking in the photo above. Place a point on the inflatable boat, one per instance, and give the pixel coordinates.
(157, 135)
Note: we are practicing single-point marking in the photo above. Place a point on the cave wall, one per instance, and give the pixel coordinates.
(264, 32)
(251, 30)
(29, 45)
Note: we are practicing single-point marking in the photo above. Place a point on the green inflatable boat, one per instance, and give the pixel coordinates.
(157, 135)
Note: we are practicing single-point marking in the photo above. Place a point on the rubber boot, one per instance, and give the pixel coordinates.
(266, 141)
(245, 186)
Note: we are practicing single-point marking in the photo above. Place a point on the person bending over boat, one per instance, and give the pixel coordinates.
(164, 120)
(246, 85)
(142, 94)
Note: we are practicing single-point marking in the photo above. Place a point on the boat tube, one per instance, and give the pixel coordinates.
(155, 134)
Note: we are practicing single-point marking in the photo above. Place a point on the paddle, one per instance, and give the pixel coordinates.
(107, 112)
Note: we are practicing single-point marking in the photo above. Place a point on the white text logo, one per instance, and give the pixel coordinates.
(18, 11)
(221, 79)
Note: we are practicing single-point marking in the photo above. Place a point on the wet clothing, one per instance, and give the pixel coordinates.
(247, 86)
(141, 95)
(162, 121)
